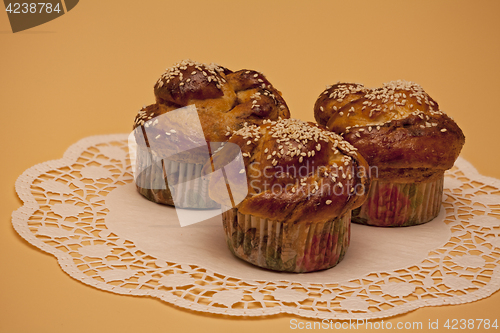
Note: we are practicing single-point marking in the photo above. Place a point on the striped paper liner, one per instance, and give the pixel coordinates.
(400, 204)
(284, 246)
(184, 188)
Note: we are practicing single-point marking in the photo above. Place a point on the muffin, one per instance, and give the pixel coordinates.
(302, 181)
(407, 141)
(197, 107)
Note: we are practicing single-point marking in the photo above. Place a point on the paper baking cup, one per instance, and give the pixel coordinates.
(285, 246)
(183, 188)
(400, 204)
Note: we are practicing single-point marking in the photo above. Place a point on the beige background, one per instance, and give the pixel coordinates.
(89, 71)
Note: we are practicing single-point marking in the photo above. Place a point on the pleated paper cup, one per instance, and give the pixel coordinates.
(285, 246)
(183, 188)
(400, 204)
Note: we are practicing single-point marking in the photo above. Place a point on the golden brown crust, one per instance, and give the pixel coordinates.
(396, 127)
(247, 79)
(335, 97)
(433, 142)
(296, 171)
(190, 81)
(174, 137)
(224, 100)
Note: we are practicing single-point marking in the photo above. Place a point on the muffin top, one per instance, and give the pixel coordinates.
(295, 171)
(398, 128)
(225, 100)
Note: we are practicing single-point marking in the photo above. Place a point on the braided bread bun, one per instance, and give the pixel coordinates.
(225, 100)
(296, 171)
(170, 140)
(397, 128)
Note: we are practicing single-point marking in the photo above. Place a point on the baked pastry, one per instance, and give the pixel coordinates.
(407, 141)
(303, 181)
(171, 148)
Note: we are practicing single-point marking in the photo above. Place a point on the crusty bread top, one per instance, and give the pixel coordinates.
(225, 101)
(397, 126)
(296, 171)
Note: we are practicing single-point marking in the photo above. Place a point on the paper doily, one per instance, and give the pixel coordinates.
(73, 210)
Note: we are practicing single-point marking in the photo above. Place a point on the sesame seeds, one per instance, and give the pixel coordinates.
(443, 130)
(395, 100)
(294, 139)
(328, 202)
(212, 72)
(339, 92)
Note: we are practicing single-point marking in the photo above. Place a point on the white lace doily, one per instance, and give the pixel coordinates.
(85, 211)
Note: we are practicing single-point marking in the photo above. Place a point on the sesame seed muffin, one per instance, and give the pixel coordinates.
(303, 181)
(197, 107)
(405, 138)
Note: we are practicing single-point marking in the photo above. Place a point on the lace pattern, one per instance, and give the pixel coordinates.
(65, 213)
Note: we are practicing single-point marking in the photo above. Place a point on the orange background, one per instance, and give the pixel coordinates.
(89, 71)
